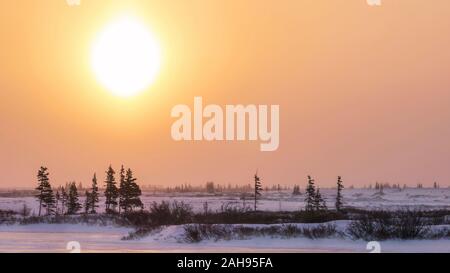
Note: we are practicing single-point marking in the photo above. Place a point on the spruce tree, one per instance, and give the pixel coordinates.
(57, 199)
(111, 191)
(130, 193)
(319, 202)
(93, 196)
(258, 188)
(45, 194)
(123, 190)
(73, 205)
(87, 202)
(310, 195)
(340, 187)
(135, 191)
(64, 198)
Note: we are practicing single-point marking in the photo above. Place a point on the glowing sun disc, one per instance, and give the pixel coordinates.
(125, 57)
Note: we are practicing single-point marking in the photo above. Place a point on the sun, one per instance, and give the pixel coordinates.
(126, 57)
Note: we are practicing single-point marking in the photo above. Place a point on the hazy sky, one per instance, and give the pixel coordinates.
(363, 91)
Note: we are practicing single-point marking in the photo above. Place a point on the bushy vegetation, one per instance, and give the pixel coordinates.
(320, 231)
(7, 216)
(195, 233)
(383, 225)
(171, 213)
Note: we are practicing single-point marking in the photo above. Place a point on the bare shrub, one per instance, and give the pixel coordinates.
(175, 213)
(137, 218)
(7, 217)
(181, 212)
(320, 231)
(25, 211)
(321, 216)
(389, 225)
(198, 232)
(192, 234)
(411, 225)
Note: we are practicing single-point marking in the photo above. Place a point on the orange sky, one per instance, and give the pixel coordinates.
(363, 91)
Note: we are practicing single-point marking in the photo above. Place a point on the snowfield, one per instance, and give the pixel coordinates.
(54, 237)
(390, 199)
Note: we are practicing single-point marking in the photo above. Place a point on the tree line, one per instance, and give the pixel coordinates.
(126, 197)
(313, 200)
(118, 199)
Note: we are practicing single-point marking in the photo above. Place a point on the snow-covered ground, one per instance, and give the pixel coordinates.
(54, 238)
(274, 201)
